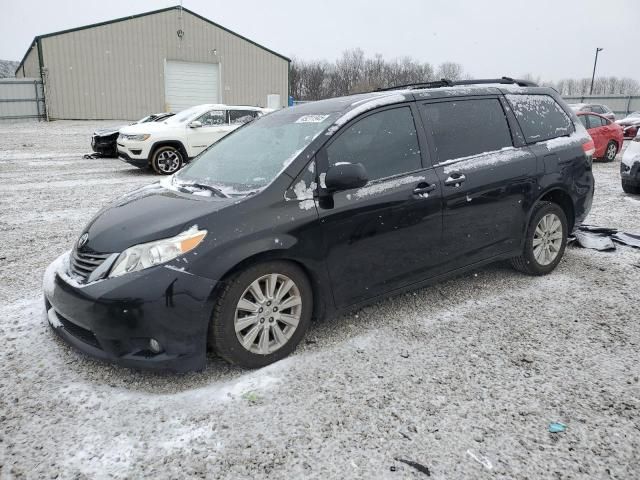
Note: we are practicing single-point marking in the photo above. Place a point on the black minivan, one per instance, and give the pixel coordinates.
(323, 207)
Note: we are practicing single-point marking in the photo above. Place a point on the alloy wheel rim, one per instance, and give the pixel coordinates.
(547, 239)
(168, 161)
(611, 152)
(268, 313)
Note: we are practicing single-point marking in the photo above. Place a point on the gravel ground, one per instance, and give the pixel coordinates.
(463, 377)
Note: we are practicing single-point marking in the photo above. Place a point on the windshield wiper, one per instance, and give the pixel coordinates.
(202, 186)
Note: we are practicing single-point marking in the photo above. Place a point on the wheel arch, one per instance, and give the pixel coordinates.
(319, 287)
(560, 197)
(169, 143)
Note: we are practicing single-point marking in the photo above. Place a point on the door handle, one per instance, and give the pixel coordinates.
(455, 179)
(423, 188)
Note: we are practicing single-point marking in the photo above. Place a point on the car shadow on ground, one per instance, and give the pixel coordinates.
(322, 335)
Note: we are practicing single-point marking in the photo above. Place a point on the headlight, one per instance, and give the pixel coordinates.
(136, 138)
(149, 254)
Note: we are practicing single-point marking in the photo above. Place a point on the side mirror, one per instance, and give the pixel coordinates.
(344, 176)
(195, 124)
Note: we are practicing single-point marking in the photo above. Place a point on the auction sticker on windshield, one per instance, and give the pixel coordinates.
(312, 119)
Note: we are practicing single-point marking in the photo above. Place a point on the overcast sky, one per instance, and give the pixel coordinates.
(552, 39)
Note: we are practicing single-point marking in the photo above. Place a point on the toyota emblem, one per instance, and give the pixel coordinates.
(82, 241)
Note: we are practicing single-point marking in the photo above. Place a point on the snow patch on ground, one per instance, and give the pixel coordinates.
(435, 370)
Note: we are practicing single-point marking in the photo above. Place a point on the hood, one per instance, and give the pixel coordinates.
(151, 128)
(147, 214)
(107, 131)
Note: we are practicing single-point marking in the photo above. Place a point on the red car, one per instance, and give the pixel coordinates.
(607, 135)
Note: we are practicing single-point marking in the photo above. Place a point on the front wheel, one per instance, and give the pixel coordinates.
(166, 160)
(545, 241)
(611, 151)
(261, 314)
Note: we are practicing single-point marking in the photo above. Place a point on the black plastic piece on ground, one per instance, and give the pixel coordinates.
(627, 239)
(416, 465)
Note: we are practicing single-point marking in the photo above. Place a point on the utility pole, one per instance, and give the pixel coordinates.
(595, 62)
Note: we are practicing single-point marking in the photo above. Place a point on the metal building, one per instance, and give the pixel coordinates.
(164, 60)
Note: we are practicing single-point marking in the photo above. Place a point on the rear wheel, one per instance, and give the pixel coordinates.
(628, 188)
(166, 160)
(545, 242)
(261, 314)
(611, 151)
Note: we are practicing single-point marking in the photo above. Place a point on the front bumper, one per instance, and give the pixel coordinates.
(104, 146)
(138, 162)
(135, 153)
(114, 319)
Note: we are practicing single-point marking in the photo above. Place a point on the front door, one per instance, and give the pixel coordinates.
(215, 125)
(486, 181)
(387, 234)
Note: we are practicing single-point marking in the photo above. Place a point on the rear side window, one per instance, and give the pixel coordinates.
(212, 118)
(467, 127)
(540, 117)
(386, 143)
(583, 121)
(239, 117)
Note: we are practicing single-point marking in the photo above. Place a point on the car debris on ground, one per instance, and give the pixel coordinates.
(603, 238)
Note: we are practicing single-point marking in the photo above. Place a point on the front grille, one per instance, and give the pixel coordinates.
(84, 263)
(77, 331)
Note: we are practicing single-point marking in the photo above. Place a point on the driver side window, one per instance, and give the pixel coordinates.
(213, 118)
(386, 143)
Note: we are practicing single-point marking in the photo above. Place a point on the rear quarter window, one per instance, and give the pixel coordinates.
(540, 117)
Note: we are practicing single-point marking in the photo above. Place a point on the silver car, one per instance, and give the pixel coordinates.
(594, 108)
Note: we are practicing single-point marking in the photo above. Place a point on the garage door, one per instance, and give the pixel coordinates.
(187, 84)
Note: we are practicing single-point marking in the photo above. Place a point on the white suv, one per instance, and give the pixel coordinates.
(166, 146)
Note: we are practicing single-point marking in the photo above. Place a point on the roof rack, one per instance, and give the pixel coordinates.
(451, 83)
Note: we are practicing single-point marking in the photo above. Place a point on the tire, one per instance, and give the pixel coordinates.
(529, 262)
(632, 189)
(167, 160)
(224, 339)
(610, 152)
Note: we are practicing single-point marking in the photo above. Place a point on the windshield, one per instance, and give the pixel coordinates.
(253, 155)
(185, 115)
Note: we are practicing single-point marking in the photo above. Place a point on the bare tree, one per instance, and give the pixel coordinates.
(601, 86)
(354, 73)
(296, 69)
(315, 79)
(450, 71)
